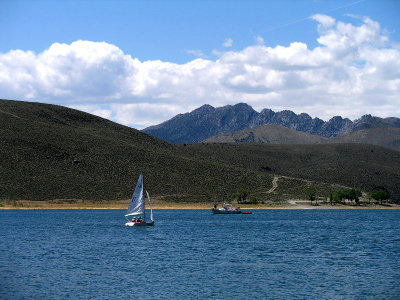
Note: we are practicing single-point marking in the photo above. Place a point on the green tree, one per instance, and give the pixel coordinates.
(349, 194)
(253, 200)
(356, 194)
(338, 197)
(353, 194)
(241, 196)
(311, 193)
(380, 195)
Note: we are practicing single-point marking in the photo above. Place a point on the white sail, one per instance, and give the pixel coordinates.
(136, 207)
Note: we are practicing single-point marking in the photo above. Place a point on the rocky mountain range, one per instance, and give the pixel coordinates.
(207, 121)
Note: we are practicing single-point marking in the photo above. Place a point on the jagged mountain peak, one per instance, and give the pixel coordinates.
(242, 105)
(207, 121)
(335, 118)
(305, 116)
(206, 108)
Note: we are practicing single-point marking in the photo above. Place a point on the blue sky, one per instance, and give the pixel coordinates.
(124, 59)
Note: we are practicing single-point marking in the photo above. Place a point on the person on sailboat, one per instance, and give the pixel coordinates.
(133, 220)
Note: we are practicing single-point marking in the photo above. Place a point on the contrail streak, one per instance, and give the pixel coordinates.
(306, 18)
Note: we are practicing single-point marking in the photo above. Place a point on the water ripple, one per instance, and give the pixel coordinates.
(191, 254)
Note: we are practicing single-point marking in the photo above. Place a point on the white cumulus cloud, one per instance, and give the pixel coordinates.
(354, 70)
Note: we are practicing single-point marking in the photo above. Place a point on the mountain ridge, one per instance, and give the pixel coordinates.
(208, 121)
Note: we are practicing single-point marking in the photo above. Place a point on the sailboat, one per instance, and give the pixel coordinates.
(136, 208)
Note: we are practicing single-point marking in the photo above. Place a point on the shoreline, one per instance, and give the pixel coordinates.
(160, 205)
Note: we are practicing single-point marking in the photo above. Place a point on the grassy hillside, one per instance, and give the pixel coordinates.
(52, 152)
(354, 165)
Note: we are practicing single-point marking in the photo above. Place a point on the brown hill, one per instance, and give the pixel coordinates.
(267, 134)
(53, 152)
(271, 134)
(386, 137)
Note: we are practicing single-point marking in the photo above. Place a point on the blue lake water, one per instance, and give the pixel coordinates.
(191, 254)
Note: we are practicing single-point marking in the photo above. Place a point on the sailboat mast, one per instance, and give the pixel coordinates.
(151, 207)
(144, 203)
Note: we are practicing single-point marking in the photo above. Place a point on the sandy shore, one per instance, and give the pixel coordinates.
(158, 204)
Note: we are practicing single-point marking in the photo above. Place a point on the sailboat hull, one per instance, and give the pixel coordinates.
(139, 224)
